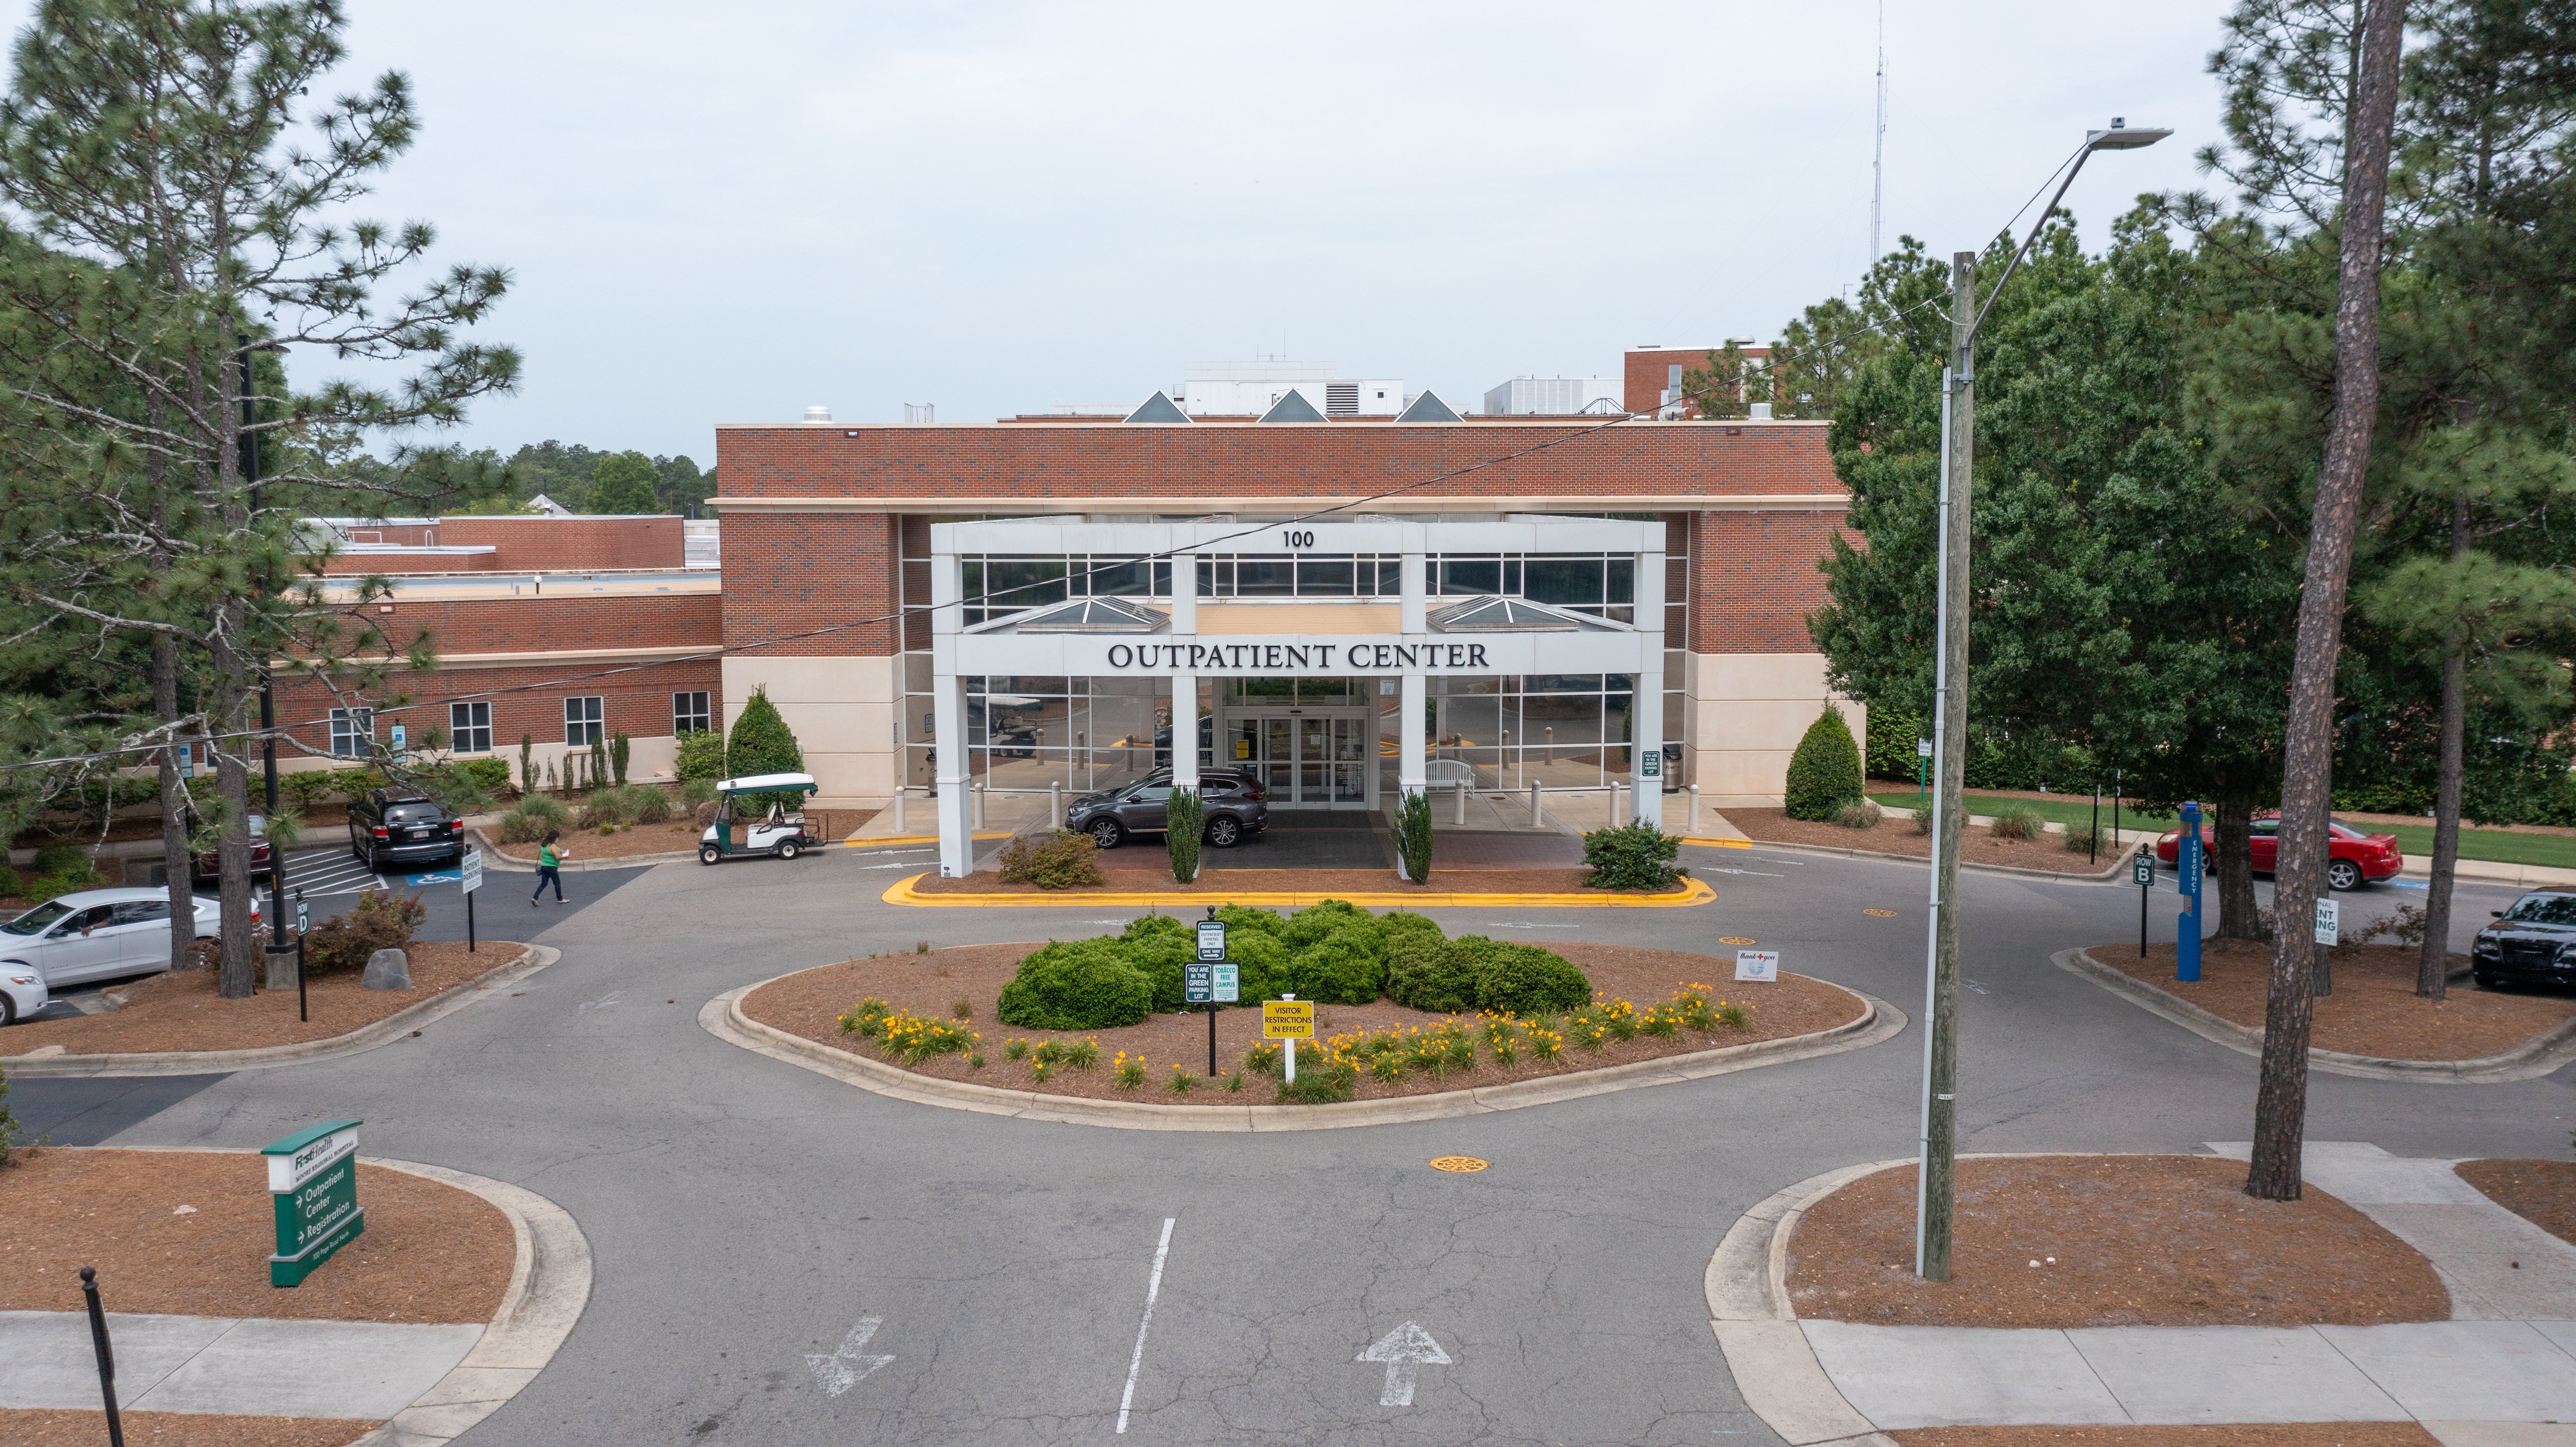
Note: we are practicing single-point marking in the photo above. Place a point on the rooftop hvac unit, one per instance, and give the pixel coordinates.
(1341, 399)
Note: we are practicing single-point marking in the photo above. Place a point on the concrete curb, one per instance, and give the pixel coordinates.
(549, 1287)
(1698, 892)
(211, 1062)
(2118, 868)
(2543, 1054)
(498, 862)
(723, 1018)
(1746, 1283)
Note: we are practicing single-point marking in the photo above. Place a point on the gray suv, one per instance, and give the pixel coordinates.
(1231, 808)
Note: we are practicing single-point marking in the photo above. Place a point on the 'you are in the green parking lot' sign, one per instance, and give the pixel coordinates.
(313, 1177)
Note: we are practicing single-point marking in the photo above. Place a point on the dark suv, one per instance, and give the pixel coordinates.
(1231, 805)
(396, 826)
(2532, 943)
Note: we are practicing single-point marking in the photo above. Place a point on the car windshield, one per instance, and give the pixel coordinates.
(411, 814)
(35, 920)
(2535, 909)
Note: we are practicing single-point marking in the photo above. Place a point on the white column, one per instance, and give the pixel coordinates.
(1647, 710)
(1409, 773)
(948, 718)
(1185, 595)
(1185, 731)
(1414, 573)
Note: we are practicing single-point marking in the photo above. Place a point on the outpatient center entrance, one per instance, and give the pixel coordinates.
(1342, 664)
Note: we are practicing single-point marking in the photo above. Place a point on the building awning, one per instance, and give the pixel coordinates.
(1491, 614)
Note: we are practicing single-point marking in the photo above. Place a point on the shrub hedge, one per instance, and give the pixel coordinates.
(1476, 973)
(1077, 985)
(1824, 774)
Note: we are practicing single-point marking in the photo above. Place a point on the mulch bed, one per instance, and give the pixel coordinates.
(624, 844)
(1896, 836)
(2374, 1009)
(2541, 1192)
(430, 1253)
(2120, 1241)
(1297, 881)
(36, 1427)
(180, 1010)
(811, 1002)
(2234, 1434)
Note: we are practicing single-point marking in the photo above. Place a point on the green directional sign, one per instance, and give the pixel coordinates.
(313, 1180)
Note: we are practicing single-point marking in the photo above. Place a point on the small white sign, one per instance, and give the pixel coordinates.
(470, 874)
(1922, 748)
(1761, 966)
(2329, 921)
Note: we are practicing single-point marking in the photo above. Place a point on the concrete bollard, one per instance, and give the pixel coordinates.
(1536, 821)
(1055, 805)
(899, 792)
(1460, 787)
(976, 820)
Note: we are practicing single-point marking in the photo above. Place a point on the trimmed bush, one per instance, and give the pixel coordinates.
(1518, 979)
(376, 922)
(1311, 924)
(702, 756)
(1476, 973)
(1264, 961)
(1342, 968)
(2018, 822)
(64, 859)
(761, 742)
(1054, 859)
(1636, 855)
(1241, 919)
(1183, 818)
(530, 818)
(1430, 974)
(1076, 985)
(1413, 835)
(1824, 774)
(1160, 945)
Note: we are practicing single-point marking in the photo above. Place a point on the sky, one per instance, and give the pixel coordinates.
(729, 213)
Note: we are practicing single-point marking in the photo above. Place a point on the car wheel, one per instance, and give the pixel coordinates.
(1224, 831)
(2485, 982)
(1105, 833)
(2343, 874)
(8, 1010)
(788, 849)
(709, 854)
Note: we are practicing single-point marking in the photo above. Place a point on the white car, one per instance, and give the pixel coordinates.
(95, 934)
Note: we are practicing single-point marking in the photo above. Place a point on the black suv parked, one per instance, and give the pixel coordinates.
(396, 826)
(1231, 805)
(2533, 943)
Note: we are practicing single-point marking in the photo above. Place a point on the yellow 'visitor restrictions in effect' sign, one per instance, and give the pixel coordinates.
(1287, 1019)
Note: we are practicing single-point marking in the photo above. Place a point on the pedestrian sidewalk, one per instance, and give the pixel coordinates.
(2508, 1356)
(253, 1366)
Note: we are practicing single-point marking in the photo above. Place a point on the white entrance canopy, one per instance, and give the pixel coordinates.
(1182, 634)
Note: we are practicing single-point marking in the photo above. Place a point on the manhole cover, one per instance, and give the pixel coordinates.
(1881, 913)
(1733, 940)
(1459, 1164)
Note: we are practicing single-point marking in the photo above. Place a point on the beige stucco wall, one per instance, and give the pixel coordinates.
(842, 711)
(1743, 714)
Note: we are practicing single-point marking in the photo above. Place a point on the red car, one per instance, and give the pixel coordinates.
(2353, 858)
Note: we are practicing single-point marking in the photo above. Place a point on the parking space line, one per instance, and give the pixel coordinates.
(1153, 1288)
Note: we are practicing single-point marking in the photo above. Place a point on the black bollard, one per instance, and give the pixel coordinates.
(106, 1356)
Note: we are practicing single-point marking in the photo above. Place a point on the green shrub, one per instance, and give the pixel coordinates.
(702, 756)
(1519, 979)
(1401, 922)
(618, 750)
(1636, 855)
(1824, 774)
(1342, 968)
(64, 859)
(2018, 821)
(1263, 959)
(1475, 973)
(1076, 985)
(306, 788)
(1183, 818)
(1863, 815)
(2079, 838)
(1328, 917)
(1160, 946)
(376, 922)
(1413, 835)
(1430, 974)
(1892, 732)
(1241, 919)
(1054, 859)
(9, 880)
(652, 806)
(761, 742)
(1319, 1084)
(530, 818)
(11, 1135)
(352, 784)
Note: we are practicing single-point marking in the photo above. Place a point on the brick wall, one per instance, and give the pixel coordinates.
(354, 565)
(1754, 579)
(637, 702)
(570, 545)
(796, 572)
(1646, 374)
(529, 624)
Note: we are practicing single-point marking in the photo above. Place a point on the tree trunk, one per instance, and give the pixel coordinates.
(2232, 822)
(240, 977)
(2307, 783)
(2433, 967)
(175, 859)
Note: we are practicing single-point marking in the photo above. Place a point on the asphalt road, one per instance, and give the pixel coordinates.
(748, 1216)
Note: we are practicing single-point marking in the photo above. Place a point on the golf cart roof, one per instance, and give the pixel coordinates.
(767, 783)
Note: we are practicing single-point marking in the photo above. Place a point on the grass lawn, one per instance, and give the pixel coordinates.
(2493, 845)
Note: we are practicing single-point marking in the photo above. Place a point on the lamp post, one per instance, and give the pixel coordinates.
(1934, 1175)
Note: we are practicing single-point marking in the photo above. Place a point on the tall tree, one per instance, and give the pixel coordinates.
(153, 141)
(626, 483)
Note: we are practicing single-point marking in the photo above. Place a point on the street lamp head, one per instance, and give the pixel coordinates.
(2123, 137)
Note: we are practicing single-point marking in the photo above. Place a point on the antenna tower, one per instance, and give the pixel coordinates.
(1878, 149)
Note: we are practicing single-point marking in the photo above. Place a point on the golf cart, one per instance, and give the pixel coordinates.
(780, 831)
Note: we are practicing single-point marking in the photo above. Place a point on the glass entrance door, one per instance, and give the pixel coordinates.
(1310, 760)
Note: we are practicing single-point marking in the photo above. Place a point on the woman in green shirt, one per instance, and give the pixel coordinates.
(549, 860)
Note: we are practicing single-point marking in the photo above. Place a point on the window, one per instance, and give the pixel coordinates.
(143, 911)
(353, 733)
(469, 727)
(691, 713)
(583, 721)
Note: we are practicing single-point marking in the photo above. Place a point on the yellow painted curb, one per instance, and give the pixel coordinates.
(1722, 843)
(902, 892)
(854, 842)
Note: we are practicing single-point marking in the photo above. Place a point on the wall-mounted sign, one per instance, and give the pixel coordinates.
(1306, 657)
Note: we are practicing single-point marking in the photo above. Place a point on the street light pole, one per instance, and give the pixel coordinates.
(1934, 1177)
(278, 949)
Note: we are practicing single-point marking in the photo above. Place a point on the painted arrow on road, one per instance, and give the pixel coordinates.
(846, 1368)
(1403, 1349)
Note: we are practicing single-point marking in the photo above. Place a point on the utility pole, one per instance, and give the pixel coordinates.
(1933, 1179)
(1878, 144)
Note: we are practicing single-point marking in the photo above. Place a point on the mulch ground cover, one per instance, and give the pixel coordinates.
(36, 1427)
(2117, 1241)
(430, 1252)
(1896, 836)
(2374, 1009)
(829, 825)
(2233, 1434)
(1298, 881)
(810, 1003)
(180, 1010)
(2541, 1192)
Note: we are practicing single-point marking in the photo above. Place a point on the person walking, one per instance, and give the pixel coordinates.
(549, 868)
